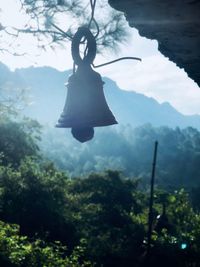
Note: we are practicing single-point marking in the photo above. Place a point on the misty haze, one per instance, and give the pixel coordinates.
(117, 182)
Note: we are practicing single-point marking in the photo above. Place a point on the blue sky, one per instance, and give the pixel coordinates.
(155, 76)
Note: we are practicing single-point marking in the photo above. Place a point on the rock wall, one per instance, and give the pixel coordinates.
(175, 24)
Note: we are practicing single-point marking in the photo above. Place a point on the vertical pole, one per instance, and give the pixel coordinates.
(150, 221)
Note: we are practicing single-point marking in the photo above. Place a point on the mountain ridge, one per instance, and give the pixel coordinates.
(49, 93)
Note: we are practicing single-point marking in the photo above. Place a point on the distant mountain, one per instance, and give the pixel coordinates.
(49, 93)
(138, 109)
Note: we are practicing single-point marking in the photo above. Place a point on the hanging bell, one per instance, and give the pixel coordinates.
(85, 105)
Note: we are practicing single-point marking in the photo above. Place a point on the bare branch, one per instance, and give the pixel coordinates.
(42, 23)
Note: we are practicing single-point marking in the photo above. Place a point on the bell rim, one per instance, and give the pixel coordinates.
(82, 125)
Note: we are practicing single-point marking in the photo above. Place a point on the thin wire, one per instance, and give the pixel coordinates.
(86, 50)
(92, 19)
(66, 34)
(113, 61)
(74, 68)
(97, 26)
(92, 4)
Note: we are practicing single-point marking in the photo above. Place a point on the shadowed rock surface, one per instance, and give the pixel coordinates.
(174, 24)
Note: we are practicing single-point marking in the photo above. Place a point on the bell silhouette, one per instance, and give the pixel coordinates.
(85, 105)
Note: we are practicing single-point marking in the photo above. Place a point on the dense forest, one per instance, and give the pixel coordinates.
(87, 205)
(130, 151)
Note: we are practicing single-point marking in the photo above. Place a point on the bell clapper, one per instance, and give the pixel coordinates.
(83, 134)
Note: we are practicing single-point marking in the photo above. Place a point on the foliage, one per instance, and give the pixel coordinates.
(12, 100)
(34, 198)
(102, 218)
(178, 240)
(104, 213)
(105, 218)
(44, 20)
(195, 198)
(18, 140)
(130, 150)
(99, 210)
(17, 250)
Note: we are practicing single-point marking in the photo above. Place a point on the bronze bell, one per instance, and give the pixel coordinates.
(85, 105)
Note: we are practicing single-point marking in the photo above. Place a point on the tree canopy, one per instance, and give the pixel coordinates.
(130, 150)
(55, 22)
(49, 219)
